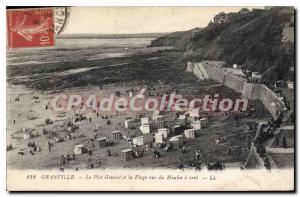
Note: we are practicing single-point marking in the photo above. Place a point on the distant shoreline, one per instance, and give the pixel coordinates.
(140, 35)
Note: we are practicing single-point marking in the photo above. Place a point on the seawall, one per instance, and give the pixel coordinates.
(212, 70)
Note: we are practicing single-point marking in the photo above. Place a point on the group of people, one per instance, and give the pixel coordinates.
(66, 158)
(33, 147)
(273, 123)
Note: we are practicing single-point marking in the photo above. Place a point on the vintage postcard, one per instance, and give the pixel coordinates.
(150, 99)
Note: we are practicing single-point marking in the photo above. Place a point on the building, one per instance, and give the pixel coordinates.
(128, 123)
(194, 113)
(288, 33)
(176, 130)
(164, 131)
(181, 121)
(182, 117)
(204, 122)
(116, 136)
(158, 138)
(79, 149)
(290, 84)
(138, 141)
(160, 124)
(144, 121)
(255, 77)
(196, 124)
(189, 133)
(221, 18)
(126, 154)
(100, 142)
(145, 128)
(143, 140)
(159, 118)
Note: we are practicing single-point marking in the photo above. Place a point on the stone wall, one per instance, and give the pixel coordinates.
(265, 95)
(234, 82)
(214, 72)
(210, 69)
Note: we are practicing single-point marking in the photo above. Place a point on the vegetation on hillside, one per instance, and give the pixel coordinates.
(252, 39)
(178, 39)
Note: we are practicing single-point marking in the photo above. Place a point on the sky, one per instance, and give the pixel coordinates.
(118, 20)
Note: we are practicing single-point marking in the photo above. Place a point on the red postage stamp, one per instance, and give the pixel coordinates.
(30, 27)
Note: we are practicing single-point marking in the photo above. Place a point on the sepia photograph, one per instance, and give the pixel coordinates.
(150, 98)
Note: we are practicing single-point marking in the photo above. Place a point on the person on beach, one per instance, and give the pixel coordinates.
(49, 146)
(108, 152)
(183, 149)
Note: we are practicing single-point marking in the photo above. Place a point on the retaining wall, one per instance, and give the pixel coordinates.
(214, 72)
(209, 69)
(265, 95)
